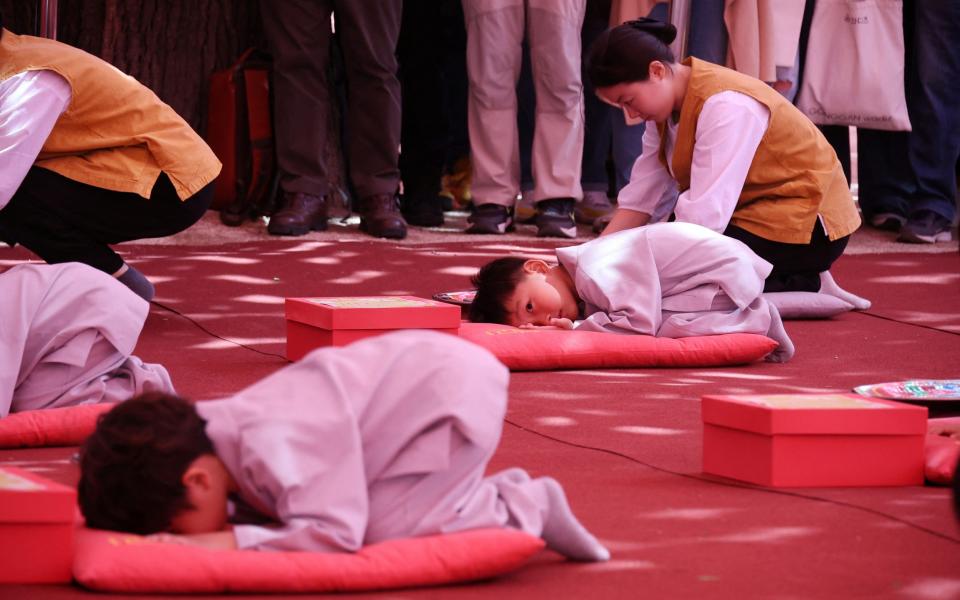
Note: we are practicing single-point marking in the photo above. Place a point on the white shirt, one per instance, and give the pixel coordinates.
(30, 104)
(729, 130)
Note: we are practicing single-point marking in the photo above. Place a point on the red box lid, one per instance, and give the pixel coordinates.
(373, 312)
(29, 498)
(829, 413)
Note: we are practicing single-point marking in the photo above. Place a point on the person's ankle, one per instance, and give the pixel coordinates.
(136, 281)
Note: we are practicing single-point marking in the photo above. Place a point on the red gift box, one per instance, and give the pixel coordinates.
(813, 440)
(36, 528)
(316, 322)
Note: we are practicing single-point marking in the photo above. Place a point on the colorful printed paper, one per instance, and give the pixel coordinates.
(915, 389)
(461, 298)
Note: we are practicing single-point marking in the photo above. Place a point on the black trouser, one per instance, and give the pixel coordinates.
(433, 77)
(62, 220)
(299, 35)
(796, 267)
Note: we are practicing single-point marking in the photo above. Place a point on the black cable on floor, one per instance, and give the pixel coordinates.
(207, 331)
(931, 327)
(734, 484)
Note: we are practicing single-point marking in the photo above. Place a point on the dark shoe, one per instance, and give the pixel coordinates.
(594, 205)
(422, 210)
(887, 221)
(925, 227)
(380, 217)
(555, 218)
(300, 214)
(490, 218)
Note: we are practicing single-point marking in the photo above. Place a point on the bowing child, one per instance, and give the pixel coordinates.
(666, 280)
(386, 438)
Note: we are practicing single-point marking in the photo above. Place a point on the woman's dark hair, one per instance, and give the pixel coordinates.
(623, 54)
(495, 283)
(131, 467)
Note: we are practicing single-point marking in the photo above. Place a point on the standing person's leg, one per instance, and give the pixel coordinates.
(598, 125)
(708, 33)
(423, 132)
(933, 89)
(525, 210)
(62, 220)
(886, 181)
(299, 35)
(369, 31)
(457, 169)
(494, 38)
(554, 34)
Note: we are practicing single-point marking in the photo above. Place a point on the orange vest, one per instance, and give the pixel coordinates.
(794, 176)
(115, 134)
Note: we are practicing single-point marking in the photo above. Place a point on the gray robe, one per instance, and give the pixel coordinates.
(66, 336)
(669, 280)
(385, 438)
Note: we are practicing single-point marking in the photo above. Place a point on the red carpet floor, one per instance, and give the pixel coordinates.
(626, 444)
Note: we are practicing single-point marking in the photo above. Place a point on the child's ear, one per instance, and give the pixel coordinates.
(535, 266)
(196, 477)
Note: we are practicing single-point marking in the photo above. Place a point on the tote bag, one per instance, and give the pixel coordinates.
(854, 67)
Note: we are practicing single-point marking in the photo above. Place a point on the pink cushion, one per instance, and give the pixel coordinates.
(117, 562)
(67, 426)
(549, 349)
(942, 450)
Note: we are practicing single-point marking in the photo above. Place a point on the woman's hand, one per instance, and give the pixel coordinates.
(624, 218)
(217, 540)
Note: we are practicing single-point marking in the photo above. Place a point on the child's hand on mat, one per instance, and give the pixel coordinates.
(555, 323)
(217, 540)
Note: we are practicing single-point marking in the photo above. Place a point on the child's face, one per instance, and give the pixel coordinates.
(536, 301)
(650, 100)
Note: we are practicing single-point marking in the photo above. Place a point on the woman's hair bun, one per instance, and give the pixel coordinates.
(665, 32)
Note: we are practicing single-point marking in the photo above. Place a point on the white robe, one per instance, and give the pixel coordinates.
(66, 336)
(386, 438)
(669, 280)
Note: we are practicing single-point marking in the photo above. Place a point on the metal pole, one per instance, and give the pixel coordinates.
(48, 18)
(680, 18)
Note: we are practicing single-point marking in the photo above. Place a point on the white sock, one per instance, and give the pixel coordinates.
(829, 286)
(563, 532)
(785, 350)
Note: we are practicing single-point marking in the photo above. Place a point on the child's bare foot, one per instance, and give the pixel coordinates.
(829, 286)
(563, 532)
(785, 350)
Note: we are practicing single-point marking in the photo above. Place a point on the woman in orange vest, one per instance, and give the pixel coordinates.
(728, 153)
(90, 157)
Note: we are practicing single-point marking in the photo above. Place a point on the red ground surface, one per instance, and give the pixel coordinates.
(625, 443)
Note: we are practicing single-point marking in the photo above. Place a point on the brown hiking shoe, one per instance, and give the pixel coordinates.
(300, 214)
(380, 216)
